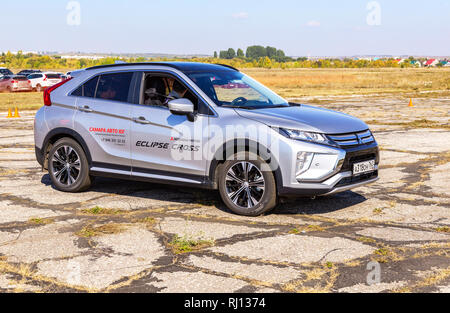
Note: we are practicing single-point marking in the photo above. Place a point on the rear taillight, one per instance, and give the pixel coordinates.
(48, 91)
(45, 77)
(13, 82)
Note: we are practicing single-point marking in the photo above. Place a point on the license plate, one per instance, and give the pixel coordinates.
(363, 167)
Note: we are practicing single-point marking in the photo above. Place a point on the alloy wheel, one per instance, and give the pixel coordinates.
(245, 185)
(66, 165)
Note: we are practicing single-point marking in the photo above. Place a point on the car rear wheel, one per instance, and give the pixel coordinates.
(68, 166)
(247, 186)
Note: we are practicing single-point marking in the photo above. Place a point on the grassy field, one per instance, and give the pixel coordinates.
(317, 82)
(21, 100)
(326, 82)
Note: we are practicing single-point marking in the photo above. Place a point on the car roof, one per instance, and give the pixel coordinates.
(185, 67)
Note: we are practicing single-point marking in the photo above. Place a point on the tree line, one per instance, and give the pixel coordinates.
(254, 53)
(256, 56)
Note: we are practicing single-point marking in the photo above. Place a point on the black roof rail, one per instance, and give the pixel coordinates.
(131, 64)
(229, 66)
(179, 66)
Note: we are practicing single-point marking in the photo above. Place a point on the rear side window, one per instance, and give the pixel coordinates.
(114, 86)
(87, 89)
(107, 86)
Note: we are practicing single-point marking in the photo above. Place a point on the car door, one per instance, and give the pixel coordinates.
(164, 145)
(103, 120)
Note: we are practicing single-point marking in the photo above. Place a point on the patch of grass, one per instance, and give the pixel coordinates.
(382, 251)
(102, 211)
(314, 228)
(148, 220)
(366, 239)
(40, 221)
(186, 244)
(432, 279)
(309, 228)
(378, 211)
(329, 265)
(94, 231)
(443, 229)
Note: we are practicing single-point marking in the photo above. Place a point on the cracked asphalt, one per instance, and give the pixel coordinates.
(56, 242)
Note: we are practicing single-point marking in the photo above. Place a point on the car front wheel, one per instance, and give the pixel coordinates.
(68, 166)
(247, 186)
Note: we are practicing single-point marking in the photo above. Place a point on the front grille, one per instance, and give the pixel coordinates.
(353, 139)
(356, 179)
(357, 157)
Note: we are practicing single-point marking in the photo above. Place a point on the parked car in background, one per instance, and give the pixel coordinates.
(53, 78)
(13, 83)
(39, 81)
(28, 72)
(4, 71)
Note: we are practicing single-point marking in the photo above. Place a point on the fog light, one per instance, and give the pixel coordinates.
(304, 160)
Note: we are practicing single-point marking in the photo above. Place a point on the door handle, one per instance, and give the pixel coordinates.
(85, 109)
(141, 120)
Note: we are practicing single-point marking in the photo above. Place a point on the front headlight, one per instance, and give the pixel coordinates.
(307, 136)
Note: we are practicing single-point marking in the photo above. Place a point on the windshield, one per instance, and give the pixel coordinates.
(235, 89)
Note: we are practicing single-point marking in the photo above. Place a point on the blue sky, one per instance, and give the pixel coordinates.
(319, 27)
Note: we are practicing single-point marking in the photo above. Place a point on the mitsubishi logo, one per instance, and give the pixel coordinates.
(359, 139)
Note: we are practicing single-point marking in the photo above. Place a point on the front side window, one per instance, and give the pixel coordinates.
(159, 89)
(235, 89)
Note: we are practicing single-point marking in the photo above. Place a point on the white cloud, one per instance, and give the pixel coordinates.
(240, 15)
(313, 24)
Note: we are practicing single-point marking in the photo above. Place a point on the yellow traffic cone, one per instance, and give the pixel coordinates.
(16, 112)
(9, 113)
(411, 103)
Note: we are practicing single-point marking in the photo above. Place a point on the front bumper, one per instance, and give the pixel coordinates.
(343, 180)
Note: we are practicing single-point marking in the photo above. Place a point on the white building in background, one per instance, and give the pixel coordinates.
(77, 57)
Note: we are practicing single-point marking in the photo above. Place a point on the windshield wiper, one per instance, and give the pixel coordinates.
(238, 107)
(277, 106)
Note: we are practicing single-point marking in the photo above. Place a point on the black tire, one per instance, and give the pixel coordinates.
(261, 202)
(68, 151)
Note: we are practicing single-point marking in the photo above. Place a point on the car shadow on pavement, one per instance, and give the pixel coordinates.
(186, 195)
(319, 205)
(146, 190)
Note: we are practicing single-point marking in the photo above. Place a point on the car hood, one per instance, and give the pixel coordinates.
(306, 118)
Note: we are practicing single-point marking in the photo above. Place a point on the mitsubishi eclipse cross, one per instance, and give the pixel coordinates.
(199, 125)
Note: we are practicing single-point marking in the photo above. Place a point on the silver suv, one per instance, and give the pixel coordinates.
(201, 125)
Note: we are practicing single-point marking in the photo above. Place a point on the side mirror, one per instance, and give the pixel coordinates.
(182, 106)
